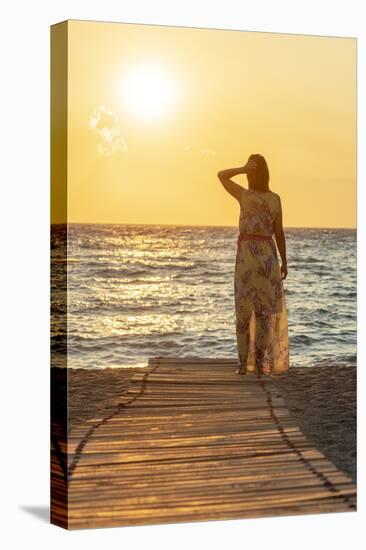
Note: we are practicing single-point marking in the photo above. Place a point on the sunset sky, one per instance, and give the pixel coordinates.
(155, 112)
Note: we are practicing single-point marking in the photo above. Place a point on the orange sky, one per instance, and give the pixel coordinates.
(154, 112)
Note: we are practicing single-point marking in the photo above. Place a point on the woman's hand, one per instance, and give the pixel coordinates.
(250, 166)
(284, 270)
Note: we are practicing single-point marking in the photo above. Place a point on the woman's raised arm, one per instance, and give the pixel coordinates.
(231, 187)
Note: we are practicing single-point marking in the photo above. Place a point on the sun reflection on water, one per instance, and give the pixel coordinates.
(136, 292)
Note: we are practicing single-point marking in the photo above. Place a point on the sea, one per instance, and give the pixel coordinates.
(128, 293)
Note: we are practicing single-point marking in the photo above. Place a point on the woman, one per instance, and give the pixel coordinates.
(260, 307)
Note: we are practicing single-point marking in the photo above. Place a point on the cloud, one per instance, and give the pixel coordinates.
(106, 125)
(208, 152)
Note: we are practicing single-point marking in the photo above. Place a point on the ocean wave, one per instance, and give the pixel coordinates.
(190, 271)
(307, 260)
(303, 339)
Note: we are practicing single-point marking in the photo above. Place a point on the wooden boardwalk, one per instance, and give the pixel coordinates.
(193, 441)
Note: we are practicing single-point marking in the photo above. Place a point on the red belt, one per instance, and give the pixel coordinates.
(246, 237)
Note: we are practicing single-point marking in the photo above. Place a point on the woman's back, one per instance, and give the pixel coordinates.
(258, 211)
(260, 305)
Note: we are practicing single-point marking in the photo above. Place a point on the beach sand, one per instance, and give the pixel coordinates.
(95, 391)
(322, 400)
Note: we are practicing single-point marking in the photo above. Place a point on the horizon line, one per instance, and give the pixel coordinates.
(195, 225)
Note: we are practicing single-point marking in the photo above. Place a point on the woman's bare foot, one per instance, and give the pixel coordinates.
(241, 370)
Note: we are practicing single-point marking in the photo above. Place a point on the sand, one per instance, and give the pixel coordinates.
(323, 402)
(95, 391)
(321, 399)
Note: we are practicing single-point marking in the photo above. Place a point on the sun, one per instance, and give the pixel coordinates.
(148, 91)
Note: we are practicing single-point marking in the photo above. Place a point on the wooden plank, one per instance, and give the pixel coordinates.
(194, 441)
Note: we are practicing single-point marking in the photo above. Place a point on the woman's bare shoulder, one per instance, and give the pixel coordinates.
(276, 196)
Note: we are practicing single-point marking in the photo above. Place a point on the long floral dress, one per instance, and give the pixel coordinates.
(260, 306)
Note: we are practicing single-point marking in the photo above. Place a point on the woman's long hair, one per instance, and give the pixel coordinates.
(258, 179)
